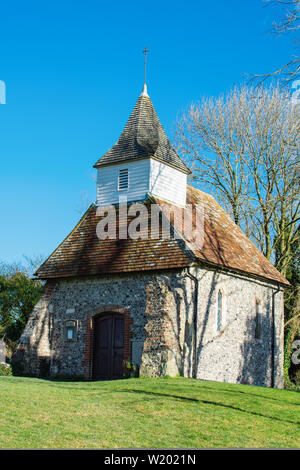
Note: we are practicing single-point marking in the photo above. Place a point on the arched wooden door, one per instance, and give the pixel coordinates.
(108, 346)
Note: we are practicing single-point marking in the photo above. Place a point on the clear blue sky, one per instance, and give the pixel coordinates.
(73, 71)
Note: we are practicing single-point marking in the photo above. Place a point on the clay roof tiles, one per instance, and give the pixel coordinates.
(82, 253)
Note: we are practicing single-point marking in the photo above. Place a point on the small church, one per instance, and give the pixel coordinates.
(161, 306)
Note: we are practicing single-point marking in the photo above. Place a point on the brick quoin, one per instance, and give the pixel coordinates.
(88, 336)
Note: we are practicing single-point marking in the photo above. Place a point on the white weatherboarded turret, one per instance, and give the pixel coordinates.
(142, 162)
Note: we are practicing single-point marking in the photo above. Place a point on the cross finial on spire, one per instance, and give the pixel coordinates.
(145, 51)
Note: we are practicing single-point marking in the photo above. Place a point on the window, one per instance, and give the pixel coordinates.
(219, 310)
(70, 333)
(70, 330)
(123, 179)
(258, 319)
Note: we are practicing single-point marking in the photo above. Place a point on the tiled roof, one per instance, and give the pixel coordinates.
(82, 253)
(224, 242)
(143, 136)
(225, 245)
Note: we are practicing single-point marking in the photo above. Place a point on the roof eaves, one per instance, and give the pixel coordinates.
(36, 273)
(240, 272)
(100, 164)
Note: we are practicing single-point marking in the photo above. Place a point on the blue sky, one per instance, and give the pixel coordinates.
(73, 71)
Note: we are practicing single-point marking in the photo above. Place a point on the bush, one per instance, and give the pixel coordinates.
(5, 369)
(131, 369)
(18, 296)
(296, 378)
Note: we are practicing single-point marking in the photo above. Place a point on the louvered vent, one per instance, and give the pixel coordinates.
(123, 179)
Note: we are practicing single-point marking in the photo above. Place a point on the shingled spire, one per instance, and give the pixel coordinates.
(142, 137)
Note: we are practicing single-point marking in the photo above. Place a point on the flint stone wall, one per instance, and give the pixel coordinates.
(162, 307)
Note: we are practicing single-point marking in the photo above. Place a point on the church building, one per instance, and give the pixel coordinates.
(209, 308)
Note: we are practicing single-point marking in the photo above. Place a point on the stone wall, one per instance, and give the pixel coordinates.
(233, 354)
(160, 309)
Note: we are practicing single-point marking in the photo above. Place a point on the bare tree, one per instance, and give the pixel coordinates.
(288, 23)
(31, 264)
(209, 135)
(244, 148)
(291, 20)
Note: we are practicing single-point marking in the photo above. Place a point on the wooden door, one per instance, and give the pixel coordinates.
(108, 346)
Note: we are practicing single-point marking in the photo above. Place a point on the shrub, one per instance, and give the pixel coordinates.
(5, 369)
(18, 296)
(131, 369)
(297, 378)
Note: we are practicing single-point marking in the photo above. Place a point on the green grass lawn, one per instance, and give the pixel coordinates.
(135, 413)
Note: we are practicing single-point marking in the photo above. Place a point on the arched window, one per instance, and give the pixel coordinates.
(219, 310)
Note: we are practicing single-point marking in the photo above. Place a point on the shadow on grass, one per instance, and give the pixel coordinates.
(56, 381)
(71, 384)
(248, 394)
(207, 402)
